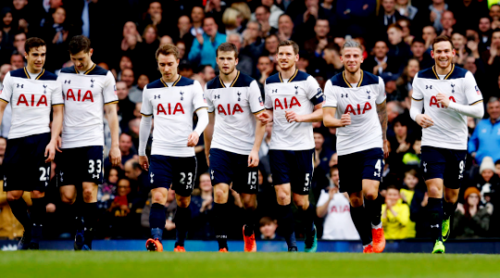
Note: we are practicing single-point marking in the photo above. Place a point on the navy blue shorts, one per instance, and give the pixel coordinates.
(359, 166)
(77, 165)
(445, 164)
(227, 167)
(294, 167)
(178, 173)
(24, 163)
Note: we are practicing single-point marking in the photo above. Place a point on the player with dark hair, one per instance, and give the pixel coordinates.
(232, 142)
(293, 101)
(448, 94)
(172, 100)
(86, 88)
(32, 92)
(355, 104)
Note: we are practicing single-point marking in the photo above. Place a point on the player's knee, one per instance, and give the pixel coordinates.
(88, 194)
(301, 202)
(283, 198)
(220, 194)
(158, 197)
(356, 200)
(371, 195)
(435, 192)
(249, 203)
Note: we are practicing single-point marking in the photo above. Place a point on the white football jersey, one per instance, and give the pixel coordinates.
(31, 101)
(172, 109)
(85, 94)
(234, 106)
(299, 94)
(450, 127)
(365, 131)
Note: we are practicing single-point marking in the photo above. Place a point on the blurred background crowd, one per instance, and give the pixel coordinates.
(396, 36)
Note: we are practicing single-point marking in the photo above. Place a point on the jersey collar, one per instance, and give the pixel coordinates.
(175, 82)
(232, 83)
(87, 71)
(447, 76)
(28, 75)
(349, 84)
(291, 78)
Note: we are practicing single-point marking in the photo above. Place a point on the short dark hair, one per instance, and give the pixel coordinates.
(418, 40)
(227, 47)
(442, 38)
(266, 220)
(207, 17)
(166, 50)
(496, 162)
(333, 168)
(33, 42)
(291, 43)
(268, 10)
(412, 172)
(333, 46)
(79, 43)
(392, 186)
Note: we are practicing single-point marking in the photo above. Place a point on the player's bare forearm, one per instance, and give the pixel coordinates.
(112, 117)
(57, 120)
(3, 105)
(329, 119)
(382, 115)
(260, 130)
(316, 116)
(209, 131)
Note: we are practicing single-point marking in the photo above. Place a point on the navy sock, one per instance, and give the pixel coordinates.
(182, 219)
(362, 222)
(220, 218)
(157, 219)
(286, 225)
(249, 221)
(374, 210)
(38, 211)
(77, 213)
(449, 209)
(307, 216)
(435, 206)
(20, 211)
(89, 213)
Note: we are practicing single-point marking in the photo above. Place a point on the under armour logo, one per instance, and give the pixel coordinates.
(274, 91)
(253, 187)
(92, 83)
(20, 85)
(239, 96)
(157, 96)
(296, 90)
(375, 174)
(95, 176)
(67, 81)
(425, 167)
(216, 97)
(435, 226)
(428, 87)
(453, 88)
(212, 174)
(182, 95)
(152, 175)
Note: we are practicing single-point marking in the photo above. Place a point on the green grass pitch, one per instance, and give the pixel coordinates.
(201, 265)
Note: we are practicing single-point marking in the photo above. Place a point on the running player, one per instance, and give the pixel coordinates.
(31, 92)
(232, 146)
(351, 99)
(448, 94)
(293, 101)
(171, 100)
(86, 89)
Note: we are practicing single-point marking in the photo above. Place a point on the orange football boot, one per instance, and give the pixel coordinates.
(223, 250)
(368, 249)
(179, 249)
(154, 245)
(250, 244)
(378, 240)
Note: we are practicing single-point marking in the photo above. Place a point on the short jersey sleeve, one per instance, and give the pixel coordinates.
(417, 92)
(146, 108)
(331, 97)
(380, 91)
(254, 98)
(208, 98)
(268, 99)
(198, 96)
(314, 92)
(57, 94)
(472, 92)
(109, 90)
(6, 91)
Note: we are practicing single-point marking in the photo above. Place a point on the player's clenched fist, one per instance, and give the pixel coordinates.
(143, 161)
(424, 121)
(345, 120)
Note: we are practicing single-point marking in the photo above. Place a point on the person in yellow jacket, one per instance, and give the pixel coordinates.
(9, 225)
(410, 181)
(395, 215)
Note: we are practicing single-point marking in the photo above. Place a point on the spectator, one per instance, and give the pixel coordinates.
(17, 61)
(397, 47)
(407, 192)
(492, 56)
(4, 69)
(8, 29)
(381, 64)
(125, 106)
(405, 25)
(184, 25)
(318, 44)
(150, 44)
(245, 62)
(405, 82)
(356, 16)
(56, 37)
(232, 21)
(119, 207)
(285, 28)
(206, 74)
(273, 10)
(484, 28)
(330, 63)
(135, 93)
(268, 227)
(323, 153)
(262, 15)
(418, 49)
(201, 206)
(107, 191)
(405, 9)
(334, 207)
(197, 16)
(19, 41)
(488, 183)
(437, 8)
(447, 22)
(429, 33)
(471, 221)
(495, 16)
(389, 16)
(485, 140)
(271, 47)
(251, 35)
(395, 215)
(205, 45)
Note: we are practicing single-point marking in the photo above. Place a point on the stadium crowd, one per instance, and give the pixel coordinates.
(396, 36)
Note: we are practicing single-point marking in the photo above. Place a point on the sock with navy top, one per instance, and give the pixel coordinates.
(38, 211)
(361, 221)
(374, 210)
(449, 209)
(286, 224)
(157, 219)
(89, 213)
(435, 207)
(249, 221)
(182, 219)
(220, 219)
(20, 210)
